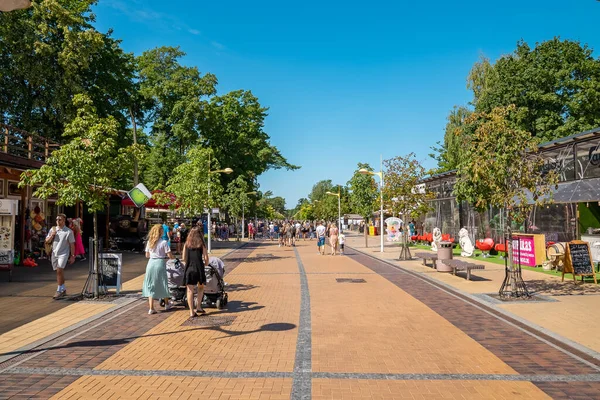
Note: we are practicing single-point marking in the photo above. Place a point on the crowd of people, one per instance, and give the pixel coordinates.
(288, 232)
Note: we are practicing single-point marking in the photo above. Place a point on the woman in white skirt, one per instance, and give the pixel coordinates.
(155, 281)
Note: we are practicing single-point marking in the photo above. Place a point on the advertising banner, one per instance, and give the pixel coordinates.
(523, 250)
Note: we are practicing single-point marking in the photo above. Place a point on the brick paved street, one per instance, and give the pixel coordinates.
(302, 325)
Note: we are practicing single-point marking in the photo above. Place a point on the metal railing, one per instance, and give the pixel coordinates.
(20, 143)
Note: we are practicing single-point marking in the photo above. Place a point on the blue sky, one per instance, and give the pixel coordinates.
(345, 81)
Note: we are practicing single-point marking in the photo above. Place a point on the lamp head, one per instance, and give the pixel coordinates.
(329, 193)
(364, 171)
(227, 171)
(250, 193)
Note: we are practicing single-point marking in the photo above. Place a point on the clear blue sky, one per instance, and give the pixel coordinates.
(345, 81)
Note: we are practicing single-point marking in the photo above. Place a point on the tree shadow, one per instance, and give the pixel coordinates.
(239, 287)
(271, 327)
(258, 258)
(566, 288)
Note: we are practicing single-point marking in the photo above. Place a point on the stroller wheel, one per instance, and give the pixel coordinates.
(162, 302)
(220, 304)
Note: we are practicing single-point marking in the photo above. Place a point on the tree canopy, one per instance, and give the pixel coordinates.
(364, 193)
(51, 52)
(555, 87)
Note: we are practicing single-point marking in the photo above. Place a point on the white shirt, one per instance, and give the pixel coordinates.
(271, 228)
(342, 238)
(320, 231)
(160, 251)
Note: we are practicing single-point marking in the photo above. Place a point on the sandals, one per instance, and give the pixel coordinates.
(201, 311)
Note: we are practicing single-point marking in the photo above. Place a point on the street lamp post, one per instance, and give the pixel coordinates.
(243, 222)
(380, 175)
(338, 194)
(225, 171)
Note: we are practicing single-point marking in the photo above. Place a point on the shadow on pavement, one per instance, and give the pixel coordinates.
(271, 327)
(257, 258)
(566, 288)
(239, 287)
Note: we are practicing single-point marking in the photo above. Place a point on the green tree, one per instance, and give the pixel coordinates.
(502, 168)
(402, 192)
(51, 52)
(553, 85)
(234, 124)
(319, 189)
(363, 195)
(178, 97)
(190, 182)
(87, 167)
(237, 200)
(450, 152)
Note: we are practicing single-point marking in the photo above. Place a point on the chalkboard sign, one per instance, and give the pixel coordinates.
(578, 260)
(109, 266)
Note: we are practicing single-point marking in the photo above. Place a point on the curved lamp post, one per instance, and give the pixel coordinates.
(224, 171)
(338, 194)
(380, 175)
(243, 222)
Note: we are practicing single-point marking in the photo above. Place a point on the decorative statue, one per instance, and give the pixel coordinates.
(465, 243)
(437, 238)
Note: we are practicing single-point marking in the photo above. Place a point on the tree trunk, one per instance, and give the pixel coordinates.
(95, 256)
(512, 274)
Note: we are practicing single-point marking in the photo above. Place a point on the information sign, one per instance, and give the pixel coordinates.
(109, 266)
(578, 260)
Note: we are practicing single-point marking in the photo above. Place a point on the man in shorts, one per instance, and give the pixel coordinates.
(320, 230)
(63, 252)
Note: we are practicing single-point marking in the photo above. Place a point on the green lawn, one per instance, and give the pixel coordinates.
(497, 260)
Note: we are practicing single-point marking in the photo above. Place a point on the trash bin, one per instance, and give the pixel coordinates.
(444, 252)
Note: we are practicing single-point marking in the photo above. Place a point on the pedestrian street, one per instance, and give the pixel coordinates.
(301, 325)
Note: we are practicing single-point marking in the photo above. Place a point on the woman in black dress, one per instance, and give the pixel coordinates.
(195, 258)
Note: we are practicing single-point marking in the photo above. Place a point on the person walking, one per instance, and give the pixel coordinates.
(63, 252)
(155, 281)
(320, 232)
(333, 238)
(79, 249)
(342, 240)
(195, 257)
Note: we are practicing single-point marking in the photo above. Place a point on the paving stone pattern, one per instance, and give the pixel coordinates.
(21, 386)
(265, 355)
(523, 352)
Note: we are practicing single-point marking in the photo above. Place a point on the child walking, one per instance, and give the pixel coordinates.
(342, 239)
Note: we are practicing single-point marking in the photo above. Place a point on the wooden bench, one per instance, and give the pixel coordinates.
(458, 265)
(427, 256)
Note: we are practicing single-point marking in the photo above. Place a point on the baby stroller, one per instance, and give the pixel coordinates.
(214, 290)
(175, 274)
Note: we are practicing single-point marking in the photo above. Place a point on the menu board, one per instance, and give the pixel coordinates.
(578, 260)
(109, 266)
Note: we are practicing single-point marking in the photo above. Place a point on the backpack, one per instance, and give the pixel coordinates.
(48, 246)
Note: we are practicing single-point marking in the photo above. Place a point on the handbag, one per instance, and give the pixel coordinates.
(48, 246)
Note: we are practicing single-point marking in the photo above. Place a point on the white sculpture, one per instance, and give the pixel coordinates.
(465, 243)
(437, 238)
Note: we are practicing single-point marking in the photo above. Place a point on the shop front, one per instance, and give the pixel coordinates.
(574, 212)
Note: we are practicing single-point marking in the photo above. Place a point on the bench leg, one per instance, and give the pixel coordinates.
(454, 271)
(468, 274)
